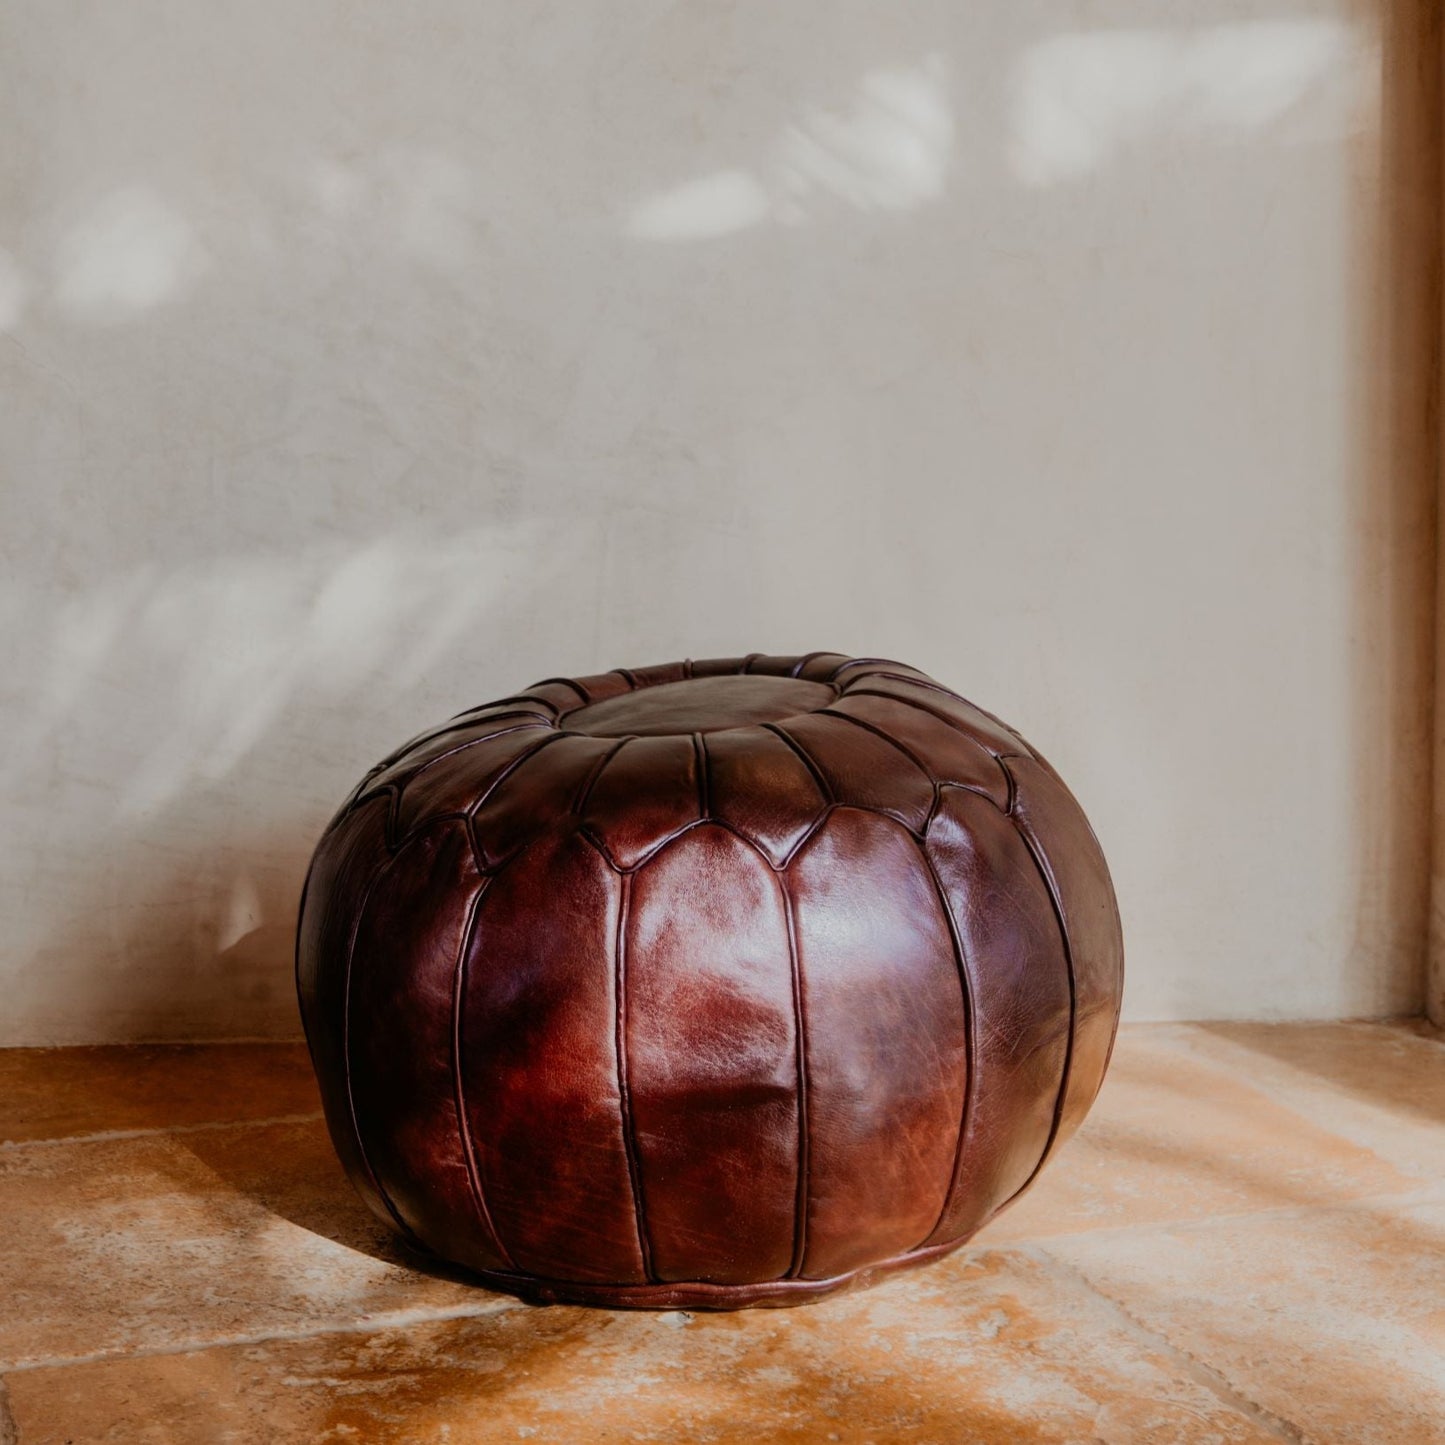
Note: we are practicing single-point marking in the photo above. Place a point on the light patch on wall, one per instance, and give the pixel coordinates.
(14, 290)
(889, 151)
(242, 912)
(1078, 98)
(129, 253)
(712, 205)
(422, 199)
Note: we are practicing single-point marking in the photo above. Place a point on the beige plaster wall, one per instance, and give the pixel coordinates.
(361, 362)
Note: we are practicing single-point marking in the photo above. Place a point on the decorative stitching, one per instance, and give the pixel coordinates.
(804, 660)
(564, 682)
(699, 749)
(469, 1153)
(346, 1060)
(824, 788)
(970, 1043)
(800, 1028)
(585, 791)
(462, 747)
(1045, 874)
(629, 1137)
(913, 702)
(879, 733)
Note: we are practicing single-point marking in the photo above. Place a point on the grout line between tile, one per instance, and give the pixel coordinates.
(108, 1136)
(371, 1324)
(1198, 1370)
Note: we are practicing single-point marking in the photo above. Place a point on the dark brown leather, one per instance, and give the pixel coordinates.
(710, 984)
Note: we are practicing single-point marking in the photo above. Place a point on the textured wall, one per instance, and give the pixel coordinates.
(361, 362)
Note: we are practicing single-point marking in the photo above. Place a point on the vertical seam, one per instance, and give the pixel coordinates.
(699, 747)
(1048, 883)
(346, 1061)
(970, 1042)
(800, 1029)
(624, 1089)
(469, 1153)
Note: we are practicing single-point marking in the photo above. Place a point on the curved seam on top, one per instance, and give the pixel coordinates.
(803, 1187)
(865, 662)
(476, 806)
(469, 1152)
(970, 1044)
(879, 733)
(462, 747)
(932, 686)
(1048, 882)
(459, 723)
(805, 659)
(484, 796)
(562, 682)
(923, 707)
(584, 793)
(825, 789)
(632, 682)
(624, 1089)
(346, 1060)
(748, 661)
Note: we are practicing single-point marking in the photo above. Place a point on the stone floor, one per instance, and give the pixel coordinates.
(1246, 1242)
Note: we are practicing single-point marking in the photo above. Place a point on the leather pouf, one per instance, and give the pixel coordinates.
(712, 984)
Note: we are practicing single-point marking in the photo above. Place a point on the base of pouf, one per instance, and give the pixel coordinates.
(698, 1294)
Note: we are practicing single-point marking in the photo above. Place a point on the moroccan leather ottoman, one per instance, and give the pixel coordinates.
(705, 985)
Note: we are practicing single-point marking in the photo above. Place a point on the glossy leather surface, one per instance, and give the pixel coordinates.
(710, 984)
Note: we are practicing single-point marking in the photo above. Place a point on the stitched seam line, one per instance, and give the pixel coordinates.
(1048, 883)
(797, 668)
(563, 682)
(800, 1027)
(951, 722)
(346, 1061)
(469, 1152)
(824, 789)
(402, 785)
(970, 1045)
(700, 751)
(931, 686)
(879, 733)
(584, 793)
(624, 1090)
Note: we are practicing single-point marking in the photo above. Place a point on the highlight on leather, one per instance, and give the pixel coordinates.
(710, 984)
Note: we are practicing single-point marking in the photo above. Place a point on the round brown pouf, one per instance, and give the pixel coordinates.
(712, 984)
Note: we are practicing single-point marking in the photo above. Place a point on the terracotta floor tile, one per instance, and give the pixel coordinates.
(1333, 1319)
(167, 1240)
(988, 1348)
(1174, 1136)
(60, 1093)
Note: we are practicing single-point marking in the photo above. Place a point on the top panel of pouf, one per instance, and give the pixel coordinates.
(701, 705)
